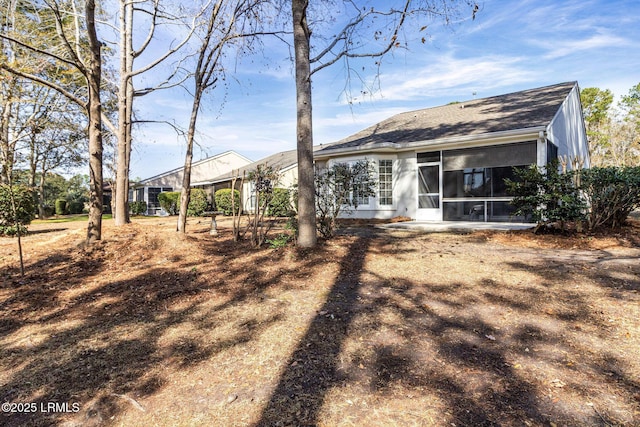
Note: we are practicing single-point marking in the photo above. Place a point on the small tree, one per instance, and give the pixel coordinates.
(340, 189)
(263, 180)
(236, 206)
(547, 196)
(613, 193)
(17, 209)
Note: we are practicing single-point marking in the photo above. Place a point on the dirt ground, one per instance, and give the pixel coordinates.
(372, 328)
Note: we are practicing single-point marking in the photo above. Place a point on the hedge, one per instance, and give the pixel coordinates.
(198, 202)
(223, 200)
(169, 201)
(61, 207)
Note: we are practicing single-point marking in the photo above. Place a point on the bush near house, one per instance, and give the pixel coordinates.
(223, 200)
(603, 197)
(75, 207)
(12, 221)
(198, 202)
(169, 201)
(138, 208)
(280, 203)
(612, 193)
(547, 196)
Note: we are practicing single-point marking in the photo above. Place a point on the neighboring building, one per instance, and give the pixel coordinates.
(450, 162)
(286, 162)
(148, 189)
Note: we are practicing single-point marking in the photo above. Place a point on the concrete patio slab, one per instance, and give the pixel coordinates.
(455, 226)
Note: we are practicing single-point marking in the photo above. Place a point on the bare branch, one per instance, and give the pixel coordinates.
(77, 61)
(47, 83)
(40, 51)
(344, 36)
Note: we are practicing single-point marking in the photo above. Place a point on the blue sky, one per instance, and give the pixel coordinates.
(510, 46)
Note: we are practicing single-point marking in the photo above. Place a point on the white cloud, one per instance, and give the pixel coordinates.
(560, 48)
(451, 76)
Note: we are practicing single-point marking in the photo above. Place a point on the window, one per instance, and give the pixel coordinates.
(385, 182)
(429, 157)
(355, 174)
(359, 196)
(552, 152)
(153, 196)
(480, 210)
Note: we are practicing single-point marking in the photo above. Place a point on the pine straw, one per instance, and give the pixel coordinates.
(378, 328)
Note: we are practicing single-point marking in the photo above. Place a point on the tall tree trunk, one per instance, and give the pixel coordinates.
(41, 213)
(6, 148)
(306, 191)
(33, 170)
(93, 74)
(185, 195)
(125, 96)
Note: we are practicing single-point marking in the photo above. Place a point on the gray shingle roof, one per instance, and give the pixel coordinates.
(518, 110)
(281, 160)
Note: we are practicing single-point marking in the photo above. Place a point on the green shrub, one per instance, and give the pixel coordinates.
(280, 203)
(61, 207)
(49, 211)
(76, 207)
(280, 241)
(11, 221)
(547, 196)
(198, 202)
(223, 200)
(169, 201)
(139, 207)
(613, 193)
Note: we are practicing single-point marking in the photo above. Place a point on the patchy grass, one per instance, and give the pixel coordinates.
(67, 218)
(372, 328)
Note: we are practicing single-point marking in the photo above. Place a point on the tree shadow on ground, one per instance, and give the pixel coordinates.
(78, 334)
(312, 369)
(479, 352)
(411, 339)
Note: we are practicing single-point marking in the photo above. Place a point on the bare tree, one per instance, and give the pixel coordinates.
(368, 32)
(230, 26)
(154, 15)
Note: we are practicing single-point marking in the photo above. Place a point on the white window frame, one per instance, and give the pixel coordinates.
(394, 162)
(374, 201)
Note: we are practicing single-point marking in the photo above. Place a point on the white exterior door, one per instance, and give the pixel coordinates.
(429, 187)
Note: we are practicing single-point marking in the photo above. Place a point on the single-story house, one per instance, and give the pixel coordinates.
(148, 189)
(286, 162)
(449, 163)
